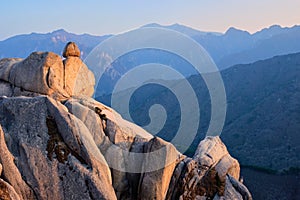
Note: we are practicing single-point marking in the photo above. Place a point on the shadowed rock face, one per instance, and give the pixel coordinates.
(81, 149)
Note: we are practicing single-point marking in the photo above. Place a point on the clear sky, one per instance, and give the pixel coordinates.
(114, 16)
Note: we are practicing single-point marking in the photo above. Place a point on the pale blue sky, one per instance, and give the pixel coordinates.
(100, 17)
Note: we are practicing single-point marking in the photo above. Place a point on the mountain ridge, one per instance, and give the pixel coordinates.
(262, 121)
(232, 47)
(56, 142)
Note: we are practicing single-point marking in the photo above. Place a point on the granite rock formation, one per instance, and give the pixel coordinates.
(46, 73)
(58, 143)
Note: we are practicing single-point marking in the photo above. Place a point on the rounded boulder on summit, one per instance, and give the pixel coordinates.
(71, 49)
(46, 73)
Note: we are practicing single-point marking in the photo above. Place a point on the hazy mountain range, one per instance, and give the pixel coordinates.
(262, 110)
(229, 48)
(262, 121)
(22, 45)
(261, 74)
(255, 92)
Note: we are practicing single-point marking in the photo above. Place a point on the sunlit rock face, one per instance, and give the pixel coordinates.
(46, 73)
(58, 143)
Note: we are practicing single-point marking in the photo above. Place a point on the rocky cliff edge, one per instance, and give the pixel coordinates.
(58, 143)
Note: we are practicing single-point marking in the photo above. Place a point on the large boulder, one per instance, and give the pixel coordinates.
(162, 157)
(46, 140)
(5, 67)
(57, 143)
(71, 49)
(211, 173)
(6, 89)
(116, 138)
(40, 72)
(78, 79)
(212, 152)
(46, 73)
(86, 147)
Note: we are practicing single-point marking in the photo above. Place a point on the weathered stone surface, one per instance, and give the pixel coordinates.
(6, 89)
(207, 175)
(10, 170)
(228, 165)
(62, 146)
(234, 190)
(78, 80)
(17, 92)
(46, 73)
(114, 138)
(110, 114)
(210, 151)
(155, 183)
(83, 149)
(9, 90)
(5, 67)
(41, 73)
(7, 192)
(81, 141)
(239, 187)
(136, 163)
(71, 49)
(92, 121)
(69, 142)
(229, 193)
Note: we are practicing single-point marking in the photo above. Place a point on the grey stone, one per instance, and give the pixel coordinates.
(83, 149)
(41, 73)
(6, 89)
(62, 146)
(45, 73)
(210, 151)
(92, 121)
(155, 183)
(240, 187)
(5, 66)
(228, 165)
(229, 193)
(11, 172)
(206, 175)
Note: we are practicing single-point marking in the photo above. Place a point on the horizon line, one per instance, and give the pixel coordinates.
(149, 24)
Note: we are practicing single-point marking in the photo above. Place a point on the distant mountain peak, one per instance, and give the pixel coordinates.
(181, 28)
(271, 31)
(59, 31)
(275, 26)
(152, 25)
(233, 30)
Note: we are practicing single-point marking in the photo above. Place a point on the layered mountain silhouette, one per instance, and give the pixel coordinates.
(262, 122)
(261, 73)
(233, 47)
(263, 109)
(21, 46)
